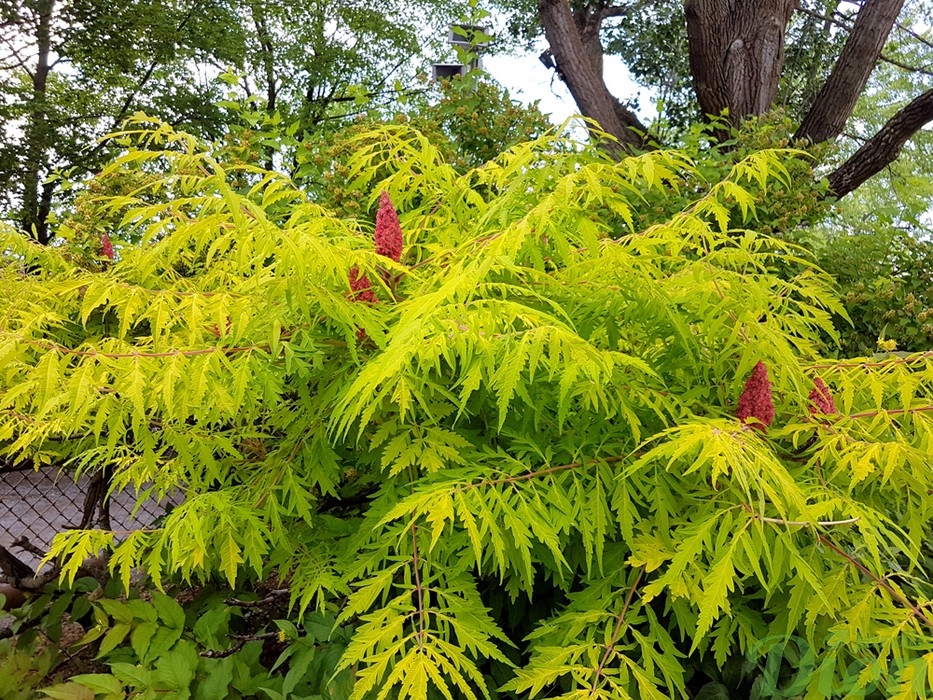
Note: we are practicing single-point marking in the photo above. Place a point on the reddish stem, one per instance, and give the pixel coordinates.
(917, 612)
(880, 363)
(615, 633)
(540, 472)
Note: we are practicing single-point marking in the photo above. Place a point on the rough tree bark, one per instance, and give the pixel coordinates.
(883, 148)
(580, 66)
(737, 53)
(834, 104)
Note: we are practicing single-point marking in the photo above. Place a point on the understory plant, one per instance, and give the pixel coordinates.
(886, 279)
(509, 443)
(84, 640)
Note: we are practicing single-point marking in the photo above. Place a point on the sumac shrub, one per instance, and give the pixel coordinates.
(516, 470)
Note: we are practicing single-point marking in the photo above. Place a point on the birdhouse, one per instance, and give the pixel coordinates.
(466, 38)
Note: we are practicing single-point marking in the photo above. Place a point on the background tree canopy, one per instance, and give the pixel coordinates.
(73, 70)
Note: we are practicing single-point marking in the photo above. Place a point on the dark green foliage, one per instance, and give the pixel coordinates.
(886, 279)
(215, 643)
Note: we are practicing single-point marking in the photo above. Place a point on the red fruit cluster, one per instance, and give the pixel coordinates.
(821, 400)
(361, 288)
(756, 400)
(106, 247)
(388, 242)
(388, 236)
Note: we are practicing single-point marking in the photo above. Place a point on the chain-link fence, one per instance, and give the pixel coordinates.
(39, 504)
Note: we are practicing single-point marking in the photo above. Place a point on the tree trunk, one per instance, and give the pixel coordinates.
(266, 52)
(268, 67)
(97, 499)
(737, 53)
(579, 64)
(837, 98)
(36, 207)
(883, 148)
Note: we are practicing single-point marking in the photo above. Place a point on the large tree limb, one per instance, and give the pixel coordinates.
(589, 24)
(837, 22)
(882, 148)
(836, 100)
(576, 66)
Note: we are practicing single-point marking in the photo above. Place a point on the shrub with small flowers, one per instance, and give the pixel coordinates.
(563, 455)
